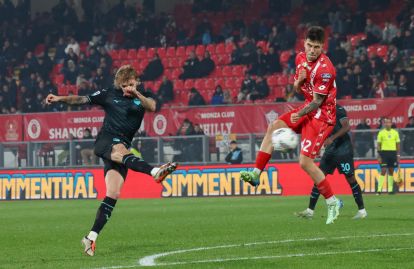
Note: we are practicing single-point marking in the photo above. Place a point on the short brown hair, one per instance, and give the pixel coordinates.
(316, 33)
(123, 74)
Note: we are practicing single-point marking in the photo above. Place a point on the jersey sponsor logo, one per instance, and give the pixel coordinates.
(116, 101)
(96, 93)
(326, 76)
(137, 101)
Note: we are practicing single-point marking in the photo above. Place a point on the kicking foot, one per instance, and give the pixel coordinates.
(333, 211)
(251, 177)
(305, 214)
(164, 171)
(89, 246)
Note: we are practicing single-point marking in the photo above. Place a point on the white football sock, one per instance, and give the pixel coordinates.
(331, 200)
(92, 236)
(154, 171)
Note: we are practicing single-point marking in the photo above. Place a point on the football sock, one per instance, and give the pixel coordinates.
(262, 159)
(137, 164)
(313, 197)
(390, 183)
(380, 182)
(325, 189)
(103, 215)
(357, 193)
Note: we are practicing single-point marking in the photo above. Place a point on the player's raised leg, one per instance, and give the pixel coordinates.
(121, 155)
(263, 156)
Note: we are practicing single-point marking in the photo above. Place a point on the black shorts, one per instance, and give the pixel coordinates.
(388, 159)
(343, 162)
(103, 149)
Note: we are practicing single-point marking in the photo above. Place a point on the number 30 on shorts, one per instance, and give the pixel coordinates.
(305, 144)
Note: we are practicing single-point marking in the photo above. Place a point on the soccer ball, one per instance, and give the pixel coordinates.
(284, 139)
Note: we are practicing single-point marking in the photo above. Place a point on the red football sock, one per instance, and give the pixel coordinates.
(262, 159)
(325, 189)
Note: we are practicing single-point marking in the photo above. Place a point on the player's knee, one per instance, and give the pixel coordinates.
(113, 194)
(275, 125)
(304, 164)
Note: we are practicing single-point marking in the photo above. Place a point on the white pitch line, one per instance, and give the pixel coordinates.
(150, 260)
(287, 256)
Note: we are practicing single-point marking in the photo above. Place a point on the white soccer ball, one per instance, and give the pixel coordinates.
(284, 139)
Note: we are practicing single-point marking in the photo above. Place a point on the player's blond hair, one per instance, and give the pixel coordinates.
(124, 74)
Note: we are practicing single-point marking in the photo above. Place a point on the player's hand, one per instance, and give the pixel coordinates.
(398, 158)
(328, 141)
(302, 76)
(379, 159)
(294, 117)
(51, 98)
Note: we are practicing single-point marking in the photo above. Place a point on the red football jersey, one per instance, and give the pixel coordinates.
(320, 78)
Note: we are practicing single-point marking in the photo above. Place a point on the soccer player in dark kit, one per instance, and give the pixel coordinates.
(124, 105)
(338, 155)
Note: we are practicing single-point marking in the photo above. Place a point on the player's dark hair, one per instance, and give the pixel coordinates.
(316, 34)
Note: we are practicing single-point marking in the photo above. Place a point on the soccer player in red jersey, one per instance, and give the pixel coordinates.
(314, 120)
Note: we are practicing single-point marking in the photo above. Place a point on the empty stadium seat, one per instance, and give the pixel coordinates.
(180, 52)
(170, 52)
(132, 54)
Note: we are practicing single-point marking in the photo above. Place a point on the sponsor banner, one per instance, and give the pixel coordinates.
(187, 181)
(61, 126)
(213, 120)
(11, 128)
(70, 184)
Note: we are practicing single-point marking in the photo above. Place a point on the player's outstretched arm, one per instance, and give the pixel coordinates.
(70, 100)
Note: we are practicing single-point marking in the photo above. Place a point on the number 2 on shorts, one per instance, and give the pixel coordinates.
(306, 144)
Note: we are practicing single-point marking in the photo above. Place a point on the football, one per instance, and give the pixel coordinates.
(284, 139)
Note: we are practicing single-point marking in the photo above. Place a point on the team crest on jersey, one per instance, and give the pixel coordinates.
(322, 87)
(137, 101)
(326, 76)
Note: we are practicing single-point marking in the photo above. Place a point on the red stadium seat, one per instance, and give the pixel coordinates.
(284, 57)
(219, 81)
(132, 54)
(199, 84)
(238, 82)
(142, 64)
(58, 79)
(272, 80)
(282, 80)
(161, 52)
(178, 85)
(188, 84)
(229, 47)
(209, 83)
(173, 63)
(291, 79)
(220, 48)
(211, 48)
(200, 50)
(227, 71)
(151, 53)
(189, 49)
(372, 50)
(170, 52)
(382, 51)
(142, 53)
(180, 52)
(238, 70)
(176, 73)
(149, 84)
(123, 54)
(229, 83)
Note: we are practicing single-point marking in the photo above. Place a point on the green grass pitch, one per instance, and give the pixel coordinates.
(47, 234)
